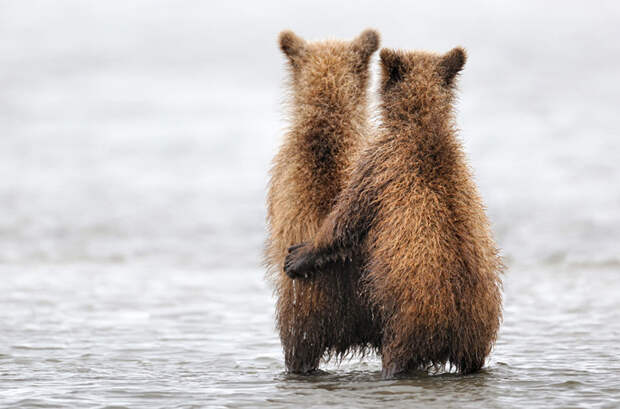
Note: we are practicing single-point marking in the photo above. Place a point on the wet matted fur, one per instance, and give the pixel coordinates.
(328, 125)
(412, 216)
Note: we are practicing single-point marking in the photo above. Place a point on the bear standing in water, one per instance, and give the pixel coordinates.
(412, 217)
(329, 123)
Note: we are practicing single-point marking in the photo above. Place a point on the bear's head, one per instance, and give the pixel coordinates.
(329, 74)
(415, 84)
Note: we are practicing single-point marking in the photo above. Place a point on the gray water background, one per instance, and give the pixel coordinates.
(135, 139)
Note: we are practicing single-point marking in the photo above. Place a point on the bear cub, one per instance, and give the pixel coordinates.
(328, 125)
(411, 217)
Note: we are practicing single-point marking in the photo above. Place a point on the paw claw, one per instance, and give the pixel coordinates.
(297, 263)
(295, 247)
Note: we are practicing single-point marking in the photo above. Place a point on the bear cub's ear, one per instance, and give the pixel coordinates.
(292, 45)
(451, 64)
(366, 44)
(393, 67)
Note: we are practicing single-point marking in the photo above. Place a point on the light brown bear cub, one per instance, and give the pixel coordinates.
(412, 216)
(329, 123)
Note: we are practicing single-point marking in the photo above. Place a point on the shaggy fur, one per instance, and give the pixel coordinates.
(329, 123)
(412, 216)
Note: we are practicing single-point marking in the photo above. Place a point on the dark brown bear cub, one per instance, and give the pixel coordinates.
(412, 216)
(329, 123)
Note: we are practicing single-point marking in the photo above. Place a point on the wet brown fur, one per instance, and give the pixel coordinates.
(412, 216)
(329, 123)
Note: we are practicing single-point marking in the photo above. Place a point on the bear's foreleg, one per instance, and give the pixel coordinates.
(303, 260)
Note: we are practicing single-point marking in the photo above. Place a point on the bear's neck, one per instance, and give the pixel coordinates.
(427, 138)
(425, 124)
(328, 123)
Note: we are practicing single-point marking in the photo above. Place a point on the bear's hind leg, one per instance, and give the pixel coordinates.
(391, 368)
(392, 363)
(402, 353)
(301, 360)
(312, 321)
(471, 363)
(303, 341)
